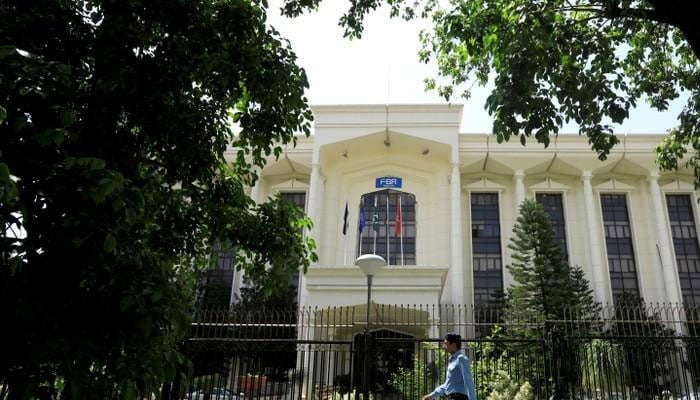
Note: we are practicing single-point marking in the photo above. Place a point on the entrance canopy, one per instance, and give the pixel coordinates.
(411, 320)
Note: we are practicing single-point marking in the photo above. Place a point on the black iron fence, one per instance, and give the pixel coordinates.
(639, 351)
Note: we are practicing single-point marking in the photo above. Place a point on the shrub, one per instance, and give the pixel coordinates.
(422, 377)
(504, 388)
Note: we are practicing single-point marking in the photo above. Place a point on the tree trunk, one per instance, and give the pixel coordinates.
(682, 14)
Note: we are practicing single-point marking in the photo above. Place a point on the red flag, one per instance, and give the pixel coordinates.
(397, 226)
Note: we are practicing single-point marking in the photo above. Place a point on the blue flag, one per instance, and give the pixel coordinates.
(361, 221)
(345, 219)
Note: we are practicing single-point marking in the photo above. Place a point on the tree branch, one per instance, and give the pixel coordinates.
(638, 13)
(679, 14)
(580, 9)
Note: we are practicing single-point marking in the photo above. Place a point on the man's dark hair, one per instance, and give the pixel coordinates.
(454, 338)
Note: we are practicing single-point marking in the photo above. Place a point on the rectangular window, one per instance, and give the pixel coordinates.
(218, 281)
(618, 241)
(685, 245)
(553, 206)
(299, 200)
(486, 248)
(296, 198)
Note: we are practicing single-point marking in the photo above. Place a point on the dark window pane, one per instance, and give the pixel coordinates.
(553, 205)
(685, 244)
(486, 247)
(618, 240)
(219, 278)
(296, 198)
(299, 200)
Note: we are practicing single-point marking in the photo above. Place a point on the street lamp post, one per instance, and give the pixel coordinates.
(370, 264)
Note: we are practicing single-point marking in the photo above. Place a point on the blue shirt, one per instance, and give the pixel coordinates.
(458, 378)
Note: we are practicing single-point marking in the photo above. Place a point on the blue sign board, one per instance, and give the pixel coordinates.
(388, 182)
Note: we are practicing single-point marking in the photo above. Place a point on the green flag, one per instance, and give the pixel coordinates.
(375, 216)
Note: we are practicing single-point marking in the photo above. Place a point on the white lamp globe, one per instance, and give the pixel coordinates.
(370, 264)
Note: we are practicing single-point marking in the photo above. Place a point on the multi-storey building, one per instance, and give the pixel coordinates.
(440, 204)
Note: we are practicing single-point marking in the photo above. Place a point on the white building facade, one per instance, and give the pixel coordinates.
(440, 205)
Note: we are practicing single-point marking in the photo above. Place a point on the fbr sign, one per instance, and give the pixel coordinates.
(388, 182)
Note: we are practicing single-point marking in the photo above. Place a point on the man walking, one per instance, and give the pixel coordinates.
(459, 384)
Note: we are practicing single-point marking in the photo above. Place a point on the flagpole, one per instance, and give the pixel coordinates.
(359, 242)
(345, 238)
(374, 245)
(401, 231)
(360, 226)
(375, 223)
(388, 255)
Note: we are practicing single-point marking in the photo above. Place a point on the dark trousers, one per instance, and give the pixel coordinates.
(458, 396)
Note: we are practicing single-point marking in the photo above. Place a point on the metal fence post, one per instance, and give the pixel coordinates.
(557, 351)
(365, 368)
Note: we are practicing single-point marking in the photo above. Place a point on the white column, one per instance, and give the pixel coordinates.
(457, 267)
(667, 265)
(312, 209)
(255, 190)
(599, 282)
(519, 178)
(318, 213)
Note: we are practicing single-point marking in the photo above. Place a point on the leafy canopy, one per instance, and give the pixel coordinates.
(556, 61)
(115, 118)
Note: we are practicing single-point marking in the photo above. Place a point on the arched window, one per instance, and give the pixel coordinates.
(387, 226)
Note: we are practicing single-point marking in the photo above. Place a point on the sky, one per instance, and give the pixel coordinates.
(382, 67)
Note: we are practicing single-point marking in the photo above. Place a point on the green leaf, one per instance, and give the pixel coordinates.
(6, 51)
(130, 393)
(4, 172)
(63, 69)
(104, 188)
(110, 243)
(565, 60)
(49, 136)
(490, 39)
(90, 163)
(67, 117)
(126, 303)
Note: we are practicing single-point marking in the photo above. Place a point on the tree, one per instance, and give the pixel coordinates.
(547, 290)
(115, 117)
(545, 286)
(555, 61)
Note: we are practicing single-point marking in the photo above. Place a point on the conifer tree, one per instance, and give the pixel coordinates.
(587, 308)
(547, 289)
(545, 286)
